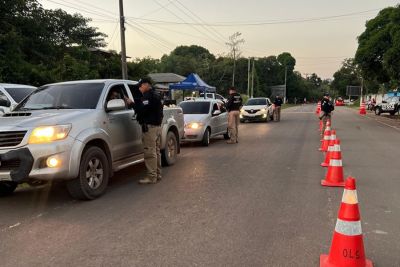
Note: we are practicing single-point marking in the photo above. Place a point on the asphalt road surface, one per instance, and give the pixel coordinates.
(258, 203)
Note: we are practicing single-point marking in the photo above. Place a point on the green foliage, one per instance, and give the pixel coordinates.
(378, 53)
(38, 46)
(347, 75)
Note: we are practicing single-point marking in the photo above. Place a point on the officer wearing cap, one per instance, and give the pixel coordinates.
(326, 111)
(149, 109)
(233, 106)
(278, 106)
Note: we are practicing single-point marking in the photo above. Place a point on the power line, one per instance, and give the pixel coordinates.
(95, 7)
(183, 20)
(150, 39)
(156, 10)
(183, 33)
(260, 23)
(212, 31)
(81, 9)
(148, 33)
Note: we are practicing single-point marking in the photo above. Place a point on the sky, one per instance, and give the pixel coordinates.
(320, 34)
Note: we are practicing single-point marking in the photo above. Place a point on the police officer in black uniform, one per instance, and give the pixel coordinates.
(326, 111)
(278, 106)
(149, 109)
(233, 106)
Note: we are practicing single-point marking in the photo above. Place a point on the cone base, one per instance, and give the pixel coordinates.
(326, 183)
(323, 164)
(323, 262)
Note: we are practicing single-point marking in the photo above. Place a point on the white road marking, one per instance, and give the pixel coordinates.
(379, 232)
(13, 226)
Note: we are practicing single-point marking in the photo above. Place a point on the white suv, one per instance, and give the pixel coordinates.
(257, 109)
(12, 94)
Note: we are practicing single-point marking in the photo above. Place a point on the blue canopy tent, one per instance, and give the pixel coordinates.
(193, 83)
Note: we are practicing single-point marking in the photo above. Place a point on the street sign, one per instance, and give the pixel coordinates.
(353, 90)
(278, 90)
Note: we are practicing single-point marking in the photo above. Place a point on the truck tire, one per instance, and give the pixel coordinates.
(7, 188)
(170, 153)
(206, 138)
(93, 175)
(392, 113)
(378, 111)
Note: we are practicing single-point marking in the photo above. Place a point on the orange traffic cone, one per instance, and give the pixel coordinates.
(336, 152)
(327, 156)
(318, 110)
(325, 141)
(363, 111)
(347, 247)
(334, 176)
(332, 153)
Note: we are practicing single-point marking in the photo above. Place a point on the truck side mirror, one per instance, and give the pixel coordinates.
(115, 105)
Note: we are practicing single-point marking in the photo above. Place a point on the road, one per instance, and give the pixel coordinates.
(258, 203)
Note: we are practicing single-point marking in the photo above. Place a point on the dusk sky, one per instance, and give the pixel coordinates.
(318, 33)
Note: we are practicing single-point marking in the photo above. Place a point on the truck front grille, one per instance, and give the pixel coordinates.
(10, 139)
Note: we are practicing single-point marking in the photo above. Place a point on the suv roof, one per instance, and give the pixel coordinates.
(12, 85)
(106, 81)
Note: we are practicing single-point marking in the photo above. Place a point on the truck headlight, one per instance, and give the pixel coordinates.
(263, 109)
(194, 125)
(241, 110)
(47, 134)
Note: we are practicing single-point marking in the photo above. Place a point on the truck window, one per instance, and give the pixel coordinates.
(117, 92)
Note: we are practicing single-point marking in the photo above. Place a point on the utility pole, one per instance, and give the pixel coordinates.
(284, 100)
(362, 88)
(123, 47)
(234, 67)
(252, 80)
(248, 78)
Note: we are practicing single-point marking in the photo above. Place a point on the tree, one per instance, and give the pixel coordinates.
(378, 52)
(347, 75)
(188, 59)
(36, 42)
(234, 47)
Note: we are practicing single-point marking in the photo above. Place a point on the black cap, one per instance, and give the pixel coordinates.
(326, 94)
(144, 80)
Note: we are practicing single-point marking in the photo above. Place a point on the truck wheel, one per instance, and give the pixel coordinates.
(7, 188)
(169, 154)
(392, 113)
(378, 111)
(206, 138)
(93, 175)
(227, 136)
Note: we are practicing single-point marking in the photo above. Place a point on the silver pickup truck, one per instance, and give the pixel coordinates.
(81, 132)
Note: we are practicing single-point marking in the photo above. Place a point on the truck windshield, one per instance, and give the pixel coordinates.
(256, 102)
(64, 96)
(195, 107)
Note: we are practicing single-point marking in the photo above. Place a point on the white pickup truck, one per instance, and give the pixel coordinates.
(76, 132)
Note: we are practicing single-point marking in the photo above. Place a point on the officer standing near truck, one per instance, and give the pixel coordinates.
(147, 104)
(233, 106)
(326, 111)
(278, 106)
